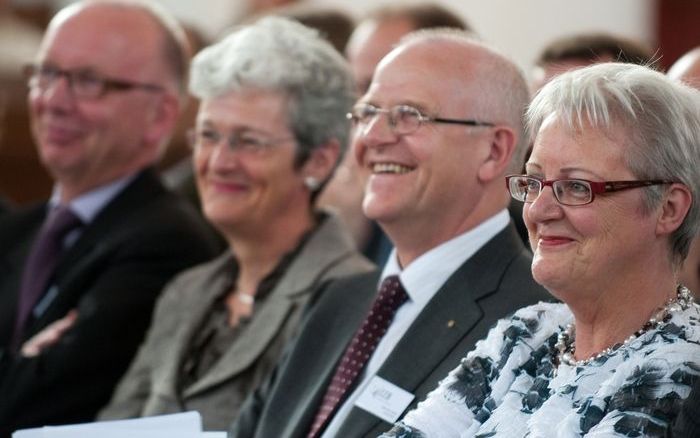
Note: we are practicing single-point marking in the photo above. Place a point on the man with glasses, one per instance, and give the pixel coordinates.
(79, 274)
(375, 35)
(436, 132)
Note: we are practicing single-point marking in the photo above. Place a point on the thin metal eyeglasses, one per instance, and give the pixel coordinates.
(403, 119)
(572, 192)
(247, 141)
(83, 83)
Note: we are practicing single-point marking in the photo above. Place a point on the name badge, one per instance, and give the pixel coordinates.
(384, 399)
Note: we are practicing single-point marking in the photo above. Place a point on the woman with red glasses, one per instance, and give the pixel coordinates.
(610, 196)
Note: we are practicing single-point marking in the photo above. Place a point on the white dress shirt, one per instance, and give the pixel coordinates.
(88, 205)
(421, 279)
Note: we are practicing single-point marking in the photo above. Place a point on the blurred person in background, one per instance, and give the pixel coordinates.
(332, 24)
(380, 29)
(581, 50)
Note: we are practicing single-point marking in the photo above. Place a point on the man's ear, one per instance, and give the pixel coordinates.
(502, 146)
(674, 207)
(322, 161)
(164, 119)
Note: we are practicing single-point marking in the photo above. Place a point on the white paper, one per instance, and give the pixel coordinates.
(384, 399)
(184, 425)
(129, 433)
(184, 422)
(29, 433)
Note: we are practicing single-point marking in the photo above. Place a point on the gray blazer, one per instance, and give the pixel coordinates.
(493, 283)
(150, 387)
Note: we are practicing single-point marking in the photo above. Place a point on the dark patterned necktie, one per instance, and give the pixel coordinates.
(41, 264)
(391, 296)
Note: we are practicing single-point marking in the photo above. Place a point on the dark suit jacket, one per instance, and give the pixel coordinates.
(112, 275)
(490, 285)
(5, 206)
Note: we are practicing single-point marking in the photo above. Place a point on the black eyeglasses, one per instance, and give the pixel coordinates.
(527, 188)
(403, 119)
(84, 83)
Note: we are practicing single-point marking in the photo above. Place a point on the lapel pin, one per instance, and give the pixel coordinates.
(450, 323)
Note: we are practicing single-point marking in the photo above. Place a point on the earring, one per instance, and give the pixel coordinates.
(312, 183)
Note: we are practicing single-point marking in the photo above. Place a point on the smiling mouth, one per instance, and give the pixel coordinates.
(554, 240)
(58, 139)
(390, 168)
(227, 185)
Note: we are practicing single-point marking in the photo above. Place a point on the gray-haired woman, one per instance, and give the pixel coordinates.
(611, 207)
(270, 129)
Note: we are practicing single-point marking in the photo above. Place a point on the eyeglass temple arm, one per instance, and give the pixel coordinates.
(612, 186)
(460, 122)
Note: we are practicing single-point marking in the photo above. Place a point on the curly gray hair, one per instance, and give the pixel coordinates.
(279, 54)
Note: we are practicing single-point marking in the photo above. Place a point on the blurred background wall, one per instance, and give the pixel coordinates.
(519, 28)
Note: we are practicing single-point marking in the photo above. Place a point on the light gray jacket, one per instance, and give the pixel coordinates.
(150, 385)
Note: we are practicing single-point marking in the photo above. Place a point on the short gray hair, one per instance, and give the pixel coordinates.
(279, 54)
(661, 117)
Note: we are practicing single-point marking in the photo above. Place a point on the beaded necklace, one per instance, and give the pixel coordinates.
(566, 342)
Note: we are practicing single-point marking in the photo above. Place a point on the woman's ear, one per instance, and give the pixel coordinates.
(674, 207)
(321, 162)
(502, 147)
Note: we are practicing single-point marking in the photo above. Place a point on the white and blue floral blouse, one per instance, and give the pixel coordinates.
(509, 386)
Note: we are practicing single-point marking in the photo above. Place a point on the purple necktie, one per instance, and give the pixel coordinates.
(41, 264)
(391, 296)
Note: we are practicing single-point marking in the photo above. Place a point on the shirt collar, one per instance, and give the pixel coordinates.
(426, 274)
(89, 204)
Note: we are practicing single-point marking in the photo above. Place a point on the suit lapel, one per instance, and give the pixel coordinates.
(142, 191)
(93, 244)
(247, 348)
(442, 324)
(323, 249)
(354, 297)
(198, 308)
(17, 233)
